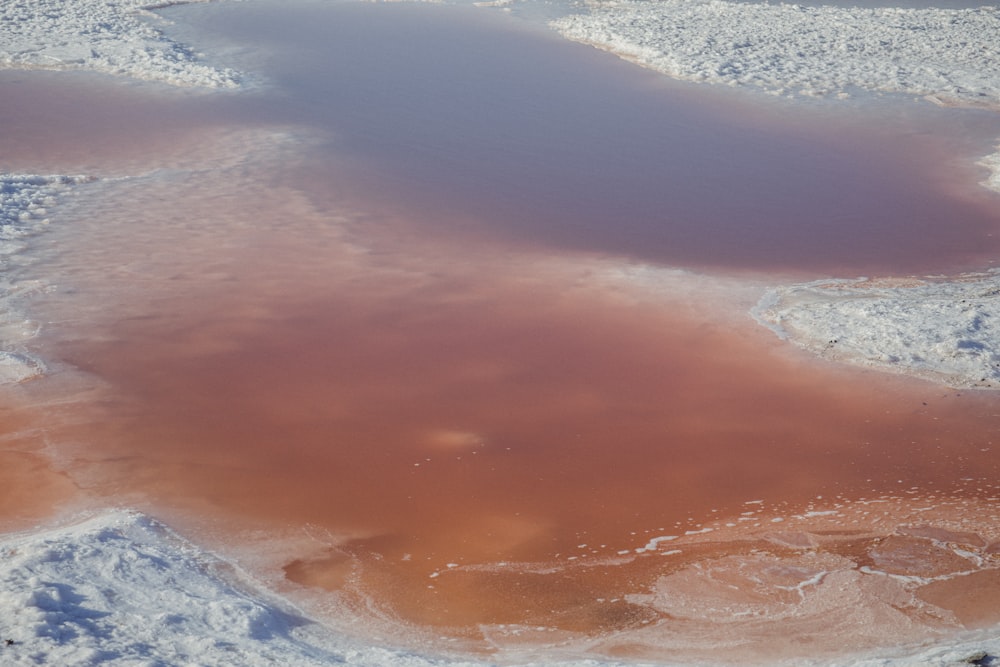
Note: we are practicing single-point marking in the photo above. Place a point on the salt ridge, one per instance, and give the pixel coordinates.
(947, 331)
(118, 587)
(940, 330)
(118, 37)
(808, 50)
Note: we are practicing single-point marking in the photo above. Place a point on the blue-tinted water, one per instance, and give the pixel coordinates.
(472, 122)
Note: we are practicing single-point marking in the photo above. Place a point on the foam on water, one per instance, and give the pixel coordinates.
(24, 203)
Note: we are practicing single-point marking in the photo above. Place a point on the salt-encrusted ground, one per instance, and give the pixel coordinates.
(952, 55)
(119, 588)
(941, 330)
(118, 37)
(948, 331)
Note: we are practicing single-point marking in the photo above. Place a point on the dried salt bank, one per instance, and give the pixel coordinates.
(896, 575)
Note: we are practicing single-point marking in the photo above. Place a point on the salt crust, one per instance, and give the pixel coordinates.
(948, 331)
(116, 37)
(788, 48)
(119, 588)
(939, 330)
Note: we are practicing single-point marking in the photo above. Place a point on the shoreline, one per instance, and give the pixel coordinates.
(784, 49)
(59, 607)
(939, 330)
(64, 581)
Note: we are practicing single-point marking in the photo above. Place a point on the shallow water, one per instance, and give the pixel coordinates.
(379, 312)
(472, 123)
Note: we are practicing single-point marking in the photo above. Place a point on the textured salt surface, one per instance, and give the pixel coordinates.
(120, 588)
(24, 199)
(113, 37)
(939, 330)
(790, 48)
(950, 56)
(942, 330)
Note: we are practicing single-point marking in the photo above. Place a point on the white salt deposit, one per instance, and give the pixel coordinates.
(121, 37)
(992, 163)
(119, 588)
(950, 54)
(947, 331)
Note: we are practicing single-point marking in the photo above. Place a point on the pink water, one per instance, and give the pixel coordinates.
(408, 334)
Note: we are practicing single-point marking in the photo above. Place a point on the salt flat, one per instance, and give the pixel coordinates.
(121, 38)
(950, 54)
(118, 587)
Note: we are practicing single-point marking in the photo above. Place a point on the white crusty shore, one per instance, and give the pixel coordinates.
(950, 54)
(942, 330)
(117, 587)
(115, 37)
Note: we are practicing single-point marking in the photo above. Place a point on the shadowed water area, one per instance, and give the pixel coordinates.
(409, 359)
(472, 123)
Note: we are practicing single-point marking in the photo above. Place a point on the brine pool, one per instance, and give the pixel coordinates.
(441, 329)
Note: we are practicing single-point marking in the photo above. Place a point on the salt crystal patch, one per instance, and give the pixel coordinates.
(944, 330)
(947, 54)
(992, 163)
(654, 543)
(123, 587)
(112, 36)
